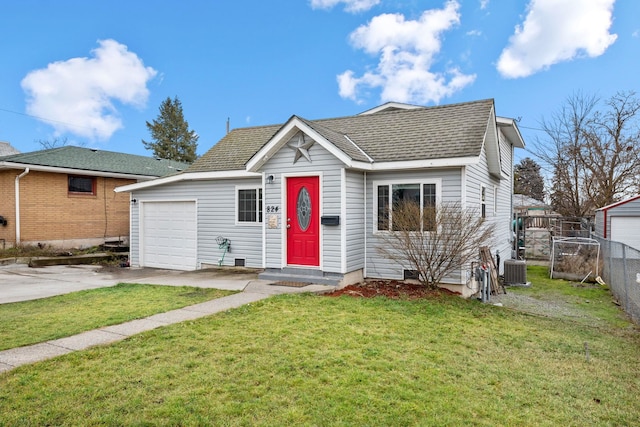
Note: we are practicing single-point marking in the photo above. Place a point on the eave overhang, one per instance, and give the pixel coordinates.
(187, 176)
(510, 129)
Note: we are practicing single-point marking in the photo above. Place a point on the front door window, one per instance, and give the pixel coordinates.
(304, 209)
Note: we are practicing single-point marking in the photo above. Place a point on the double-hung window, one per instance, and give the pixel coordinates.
(390, 196)
(249, 205)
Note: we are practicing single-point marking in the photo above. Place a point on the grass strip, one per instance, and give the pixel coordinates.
(314, 360)
(30, 322)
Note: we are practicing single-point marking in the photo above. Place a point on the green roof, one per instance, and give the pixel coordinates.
(93, 160)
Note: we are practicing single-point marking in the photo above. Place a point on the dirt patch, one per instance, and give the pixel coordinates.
(528, 304)
(395, 289)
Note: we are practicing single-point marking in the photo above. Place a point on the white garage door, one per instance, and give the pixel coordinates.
(168, 235)
(626, 230)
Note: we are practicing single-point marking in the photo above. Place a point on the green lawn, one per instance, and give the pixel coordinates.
(31, 322)
(315, 360)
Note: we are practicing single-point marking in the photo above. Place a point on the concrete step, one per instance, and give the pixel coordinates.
(311, 276)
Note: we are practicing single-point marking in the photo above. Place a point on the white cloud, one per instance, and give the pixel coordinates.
(407, 49)
(555, 31)
(352, 6)
(76, 95)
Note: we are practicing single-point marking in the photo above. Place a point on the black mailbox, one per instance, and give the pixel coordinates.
(330, 220)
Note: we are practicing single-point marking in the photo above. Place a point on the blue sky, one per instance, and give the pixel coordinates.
(93, 71)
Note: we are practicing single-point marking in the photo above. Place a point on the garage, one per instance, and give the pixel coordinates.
(168, 235)
(626, 230)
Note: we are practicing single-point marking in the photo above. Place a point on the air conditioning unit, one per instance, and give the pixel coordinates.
(515, 272)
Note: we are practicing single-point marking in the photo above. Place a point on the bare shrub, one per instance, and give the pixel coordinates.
(434, 241)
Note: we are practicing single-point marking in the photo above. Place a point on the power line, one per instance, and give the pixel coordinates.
(45, 119)
(531, 128)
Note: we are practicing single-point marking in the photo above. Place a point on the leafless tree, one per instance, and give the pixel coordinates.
(611, 151)
(434, 241)
(53, 143)
(594, 154)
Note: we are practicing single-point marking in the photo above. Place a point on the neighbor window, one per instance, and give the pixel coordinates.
(483, 201)
(250, 205)
(82, 184)
(392, 195)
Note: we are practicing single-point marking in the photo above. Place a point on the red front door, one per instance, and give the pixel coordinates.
(303, 221)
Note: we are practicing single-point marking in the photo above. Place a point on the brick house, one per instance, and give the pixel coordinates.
(64, 196)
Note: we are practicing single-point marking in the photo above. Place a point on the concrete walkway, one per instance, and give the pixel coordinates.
(252, 291)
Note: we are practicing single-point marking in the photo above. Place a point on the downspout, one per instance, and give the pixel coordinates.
(17, 195)
(365, 223)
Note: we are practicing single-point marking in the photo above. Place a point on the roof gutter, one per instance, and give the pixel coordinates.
(17, 196)
(73, 171)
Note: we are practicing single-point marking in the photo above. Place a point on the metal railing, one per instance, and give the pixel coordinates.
(621, 272)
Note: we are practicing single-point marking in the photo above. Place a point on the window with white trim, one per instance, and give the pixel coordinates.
(483, 201)
(249, 205)
(388, 195)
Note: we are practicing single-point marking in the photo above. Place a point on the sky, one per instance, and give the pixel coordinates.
(92, 73)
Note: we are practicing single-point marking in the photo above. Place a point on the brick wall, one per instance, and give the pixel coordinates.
(7, 207)
(50, 213)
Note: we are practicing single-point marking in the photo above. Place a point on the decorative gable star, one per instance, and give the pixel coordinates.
(301, 147)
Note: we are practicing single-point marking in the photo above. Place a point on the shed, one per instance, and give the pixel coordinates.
(620, 222)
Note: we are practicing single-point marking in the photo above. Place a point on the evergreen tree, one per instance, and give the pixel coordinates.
(528, 180)
(172, 139)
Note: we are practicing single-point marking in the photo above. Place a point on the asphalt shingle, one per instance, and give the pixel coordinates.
(88, 159)
(424, 133)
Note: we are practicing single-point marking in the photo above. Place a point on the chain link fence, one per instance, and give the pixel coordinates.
(621, 272)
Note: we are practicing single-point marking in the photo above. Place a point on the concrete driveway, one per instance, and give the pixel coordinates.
(19, 282)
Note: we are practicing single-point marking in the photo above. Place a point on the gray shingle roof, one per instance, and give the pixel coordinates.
(6, 149)
(426, 133)
(522, 201)
(446, 131)
(235, 149)
(87, 159)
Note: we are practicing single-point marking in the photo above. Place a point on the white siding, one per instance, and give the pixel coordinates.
(329, 169)
(477, 176)
(215, 217)
(450, 191)
(355, 220)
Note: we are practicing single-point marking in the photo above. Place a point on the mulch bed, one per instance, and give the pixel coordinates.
(395, 289)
